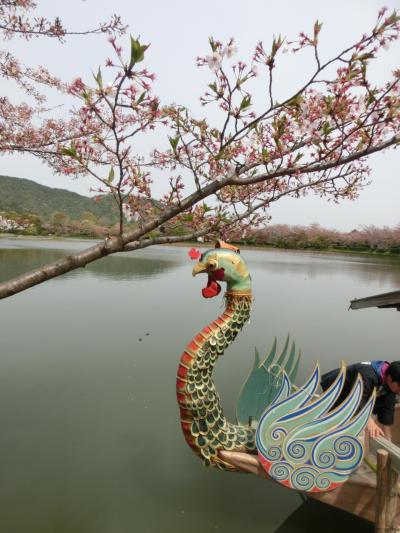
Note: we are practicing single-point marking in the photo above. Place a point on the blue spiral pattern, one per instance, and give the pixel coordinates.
(273, 453)
(297, 450)
(281, 471)
(347, 447)
(323, 481)
(278, 433)
(325, 459)
(303, 478)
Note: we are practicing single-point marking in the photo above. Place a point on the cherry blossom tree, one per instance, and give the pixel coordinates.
(220, 174)
(23, 127)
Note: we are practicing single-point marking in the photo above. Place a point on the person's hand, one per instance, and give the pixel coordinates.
(373, 429)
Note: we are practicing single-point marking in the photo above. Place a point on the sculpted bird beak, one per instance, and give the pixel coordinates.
(198, 268)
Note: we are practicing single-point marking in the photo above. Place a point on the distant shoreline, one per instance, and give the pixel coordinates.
(190, 244)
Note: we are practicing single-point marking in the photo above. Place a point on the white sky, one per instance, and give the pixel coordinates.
(178, 32)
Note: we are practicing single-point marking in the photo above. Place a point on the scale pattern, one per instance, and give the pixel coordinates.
(204, 425)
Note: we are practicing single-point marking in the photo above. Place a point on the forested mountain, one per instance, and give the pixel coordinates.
(26, 196)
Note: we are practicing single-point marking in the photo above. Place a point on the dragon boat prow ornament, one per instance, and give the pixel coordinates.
(302, 440)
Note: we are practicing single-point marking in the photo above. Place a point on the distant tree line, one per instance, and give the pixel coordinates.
(314, 237)
(88, 225)
(59, 224)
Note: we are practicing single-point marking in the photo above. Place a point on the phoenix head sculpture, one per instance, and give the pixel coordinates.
(224, 264)
(293, 436)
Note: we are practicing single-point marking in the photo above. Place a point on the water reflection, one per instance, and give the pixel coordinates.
(316, 516)
(16, 261)
(313, 265)
(129, 268)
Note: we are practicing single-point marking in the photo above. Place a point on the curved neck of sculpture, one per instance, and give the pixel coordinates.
(204, 425)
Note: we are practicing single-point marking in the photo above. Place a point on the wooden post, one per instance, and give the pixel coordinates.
(381, 490)
(388, 463)
(391, 496)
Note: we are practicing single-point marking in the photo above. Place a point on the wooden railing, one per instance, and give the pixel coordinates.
(387, 476)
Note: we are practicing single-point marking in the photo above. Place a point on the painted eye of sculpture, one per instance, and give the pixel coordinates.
(212, 264)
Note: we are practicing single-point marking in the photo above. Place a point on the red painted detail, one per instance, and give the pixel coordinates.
(181, 398)
(186, 427)
(194, 253)
(182, 371)
(192, 346)
(212, 289)
(219, 321)
(265, 463)
(185, 414)
(207, 330)
(199, 338)
(180, 385)
(186, 358)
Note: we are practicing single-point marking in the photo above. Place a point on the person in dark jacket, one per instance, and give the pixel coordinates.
(381, 375)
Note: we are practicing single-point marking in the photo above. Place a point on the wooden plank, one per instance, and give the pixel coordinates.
(379, 300)
(382, 457)
(381, 443)
(392, 492)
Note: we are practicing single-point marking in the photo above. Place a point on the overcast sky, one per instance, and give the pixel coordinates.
(178, 32)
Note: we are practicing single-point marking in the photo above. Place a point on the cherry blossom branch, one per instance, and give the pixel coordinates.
(395, 140)
(16, 19)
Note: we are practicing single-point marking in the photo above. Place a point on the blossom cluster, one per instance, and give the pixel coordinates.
(7, 224)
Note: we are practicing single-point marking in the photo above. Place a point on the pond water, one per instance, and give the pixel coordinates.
(90, 438)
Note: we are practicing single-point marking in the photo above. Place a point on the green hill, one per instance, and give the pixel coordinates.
(26, 196)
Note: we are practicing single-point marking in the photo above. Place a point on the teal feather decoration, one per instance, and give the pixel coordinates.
(264, 381)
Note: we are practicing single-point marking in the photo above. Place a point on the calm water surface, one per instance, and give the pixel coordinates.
(90, 439)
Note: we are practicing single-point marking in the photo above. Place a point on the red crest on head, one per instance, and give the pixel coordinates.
(194, 254)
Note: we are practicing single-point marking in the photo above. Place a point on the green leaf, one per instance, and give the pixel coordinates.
(173, 141)
(295, 101)
(99, 79)
(366, 56)
(213, 87)
(392, 19)
(111, 175)
(137, 51)
(265, 155)
(69, 151)
(141, 98)
(317, 29)
(212, 44)
(246, 102)
(326, 128)
(276, 44)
